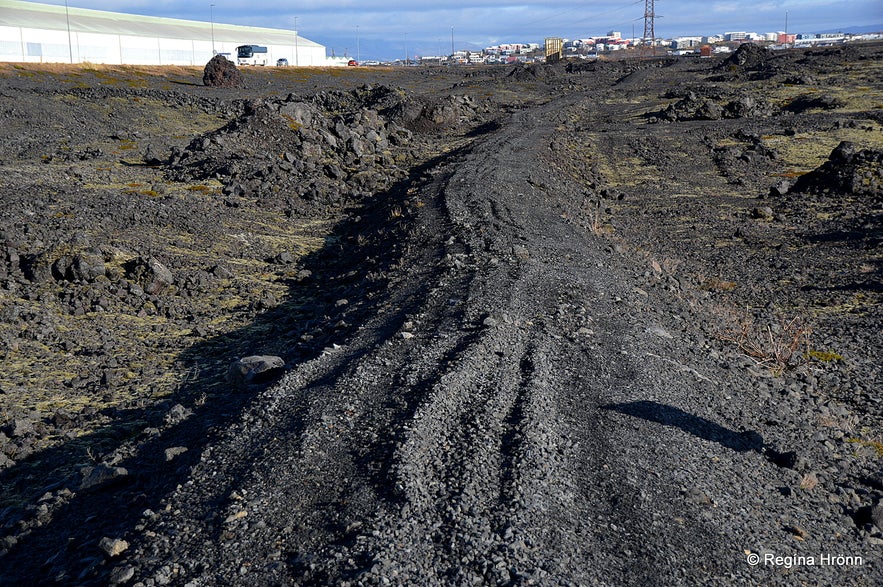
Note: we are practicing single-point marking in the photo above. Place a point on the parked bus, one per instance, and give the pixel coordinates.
(252, 55)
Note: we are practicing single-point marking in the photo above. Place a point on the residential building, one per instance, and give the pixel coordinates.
(686, 42)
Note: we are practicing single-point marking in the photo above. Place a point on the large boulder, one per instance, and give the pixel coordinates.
(433, 115)
(37, 267)
(806, 102)
(849, 170)
(748, 56)
(221, 73)
(85, 266)
(692, 107)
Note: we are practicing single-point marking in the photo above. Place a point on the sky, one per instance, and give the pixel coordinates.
(386, 29)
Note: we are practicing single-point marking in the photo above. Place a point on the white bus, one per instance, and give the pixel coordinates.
(252, 55)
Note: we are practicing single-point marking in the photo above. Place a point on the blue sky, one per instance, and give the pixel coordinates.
(384, 29)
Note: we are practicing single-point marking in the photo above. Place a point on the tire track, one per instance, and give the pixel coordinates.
(451, 456)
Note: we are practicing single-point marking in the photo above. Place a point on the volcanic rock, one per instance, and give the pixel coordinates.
(255, 369)
(221, 73)
(848, 170)
(748, 56)
(150, 274)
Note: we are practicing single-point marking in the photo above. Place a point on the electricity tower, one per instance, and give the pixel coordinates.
(649, 32)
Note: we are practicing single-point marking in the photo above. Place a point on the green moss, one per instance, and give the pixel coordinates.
(874, 444)
(824, 356)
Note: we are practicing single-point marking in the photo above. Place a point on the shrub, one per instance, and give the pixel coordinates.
(779, 348)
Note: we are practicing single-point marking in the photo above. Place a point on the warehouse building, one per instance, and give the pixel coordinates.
(43, 33)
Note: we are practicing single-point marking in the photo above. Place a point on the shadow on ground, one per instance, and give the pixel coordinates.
(746, 441)
(695, 425)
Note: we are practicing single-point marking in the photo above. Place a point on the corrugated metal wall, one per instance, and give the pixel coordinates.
(38, 33)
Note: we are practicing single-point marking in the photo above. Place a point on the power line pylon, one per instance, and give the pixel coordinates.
(649, 32)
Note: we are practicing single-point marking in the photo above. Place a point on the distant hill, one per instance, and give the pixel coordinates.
(855, 30)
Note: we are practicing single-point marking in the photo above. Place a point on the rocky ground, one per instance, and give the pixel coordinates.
(608, 323)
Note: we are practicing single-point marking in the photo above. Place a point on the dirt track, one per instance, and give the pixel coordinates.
(533, 386)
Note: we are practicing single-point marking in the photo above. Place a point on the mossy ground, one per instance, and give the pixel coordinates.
(666, 197)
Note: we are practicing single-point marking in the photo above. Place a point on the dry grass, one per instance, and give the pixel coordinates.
(778, 347)
(596, 222)
(126, 76)
(716, 284)
(875, 445)
(596, 226)
(809, 481)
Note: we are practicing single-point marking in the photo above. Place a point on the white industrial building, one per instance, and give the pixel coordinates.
(43, 33)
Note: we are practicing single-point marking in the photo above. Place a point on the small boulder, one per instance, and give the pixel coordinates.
(102, 475)
(177, 414)
(36, 267)
(122, 575)
(843, 153)
(151, 158)
(221, 73)
(781, 188)
(86, 266)
(152, 275)
(174, 451)
(763, 213)
(709, 111)
(113, 546)
(255, 369)
(221, 272)
(21, 427)
(877, 515)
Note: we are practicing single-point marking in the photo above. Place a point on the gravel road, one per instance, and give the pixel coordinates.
(519, 411)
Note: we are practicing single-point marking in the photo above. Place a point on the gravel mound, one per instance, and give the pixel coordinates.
(323, 151)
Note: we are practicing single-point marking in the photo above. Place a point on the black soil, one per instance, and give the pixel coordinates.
(615, 323)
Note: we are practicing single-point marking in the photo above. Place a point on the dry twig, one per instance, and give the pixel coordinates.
(777, 349)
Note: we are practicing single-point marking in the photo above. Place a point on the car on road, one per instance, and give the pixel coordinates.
(352, 63)
(281, 62)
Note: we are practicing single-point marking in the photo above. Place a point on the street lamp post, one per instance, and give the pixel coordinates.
(70, 48)
(295, 42)
(358, 52)
(212, 18)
